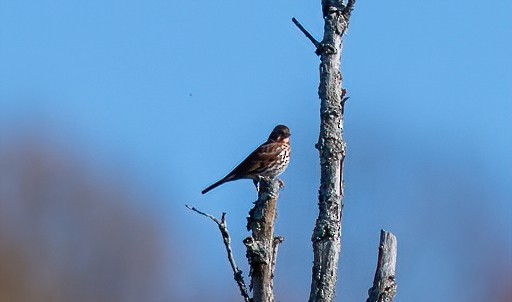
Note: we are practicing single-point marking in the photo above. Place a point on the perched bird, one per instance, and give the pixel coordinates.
(268, 161)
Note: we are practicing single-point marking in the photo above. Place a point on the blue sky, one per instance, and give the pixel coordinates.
(170, 95)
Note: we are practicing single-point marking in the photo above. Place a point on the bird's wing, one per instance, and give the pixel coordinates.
(256, 162)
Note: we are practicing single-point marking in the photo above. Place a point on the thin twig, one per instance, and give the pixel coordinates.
(237, 273)
(206, 214)
(306, 33)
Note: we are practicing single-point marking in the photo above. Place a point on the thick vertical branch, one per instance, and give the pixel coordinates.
(384, 285)
(327, 233)
(262, 245)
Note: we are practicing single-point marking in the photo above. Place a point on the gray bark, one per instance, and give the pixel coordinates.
(262, 245)
(384, 285)
(327, 233)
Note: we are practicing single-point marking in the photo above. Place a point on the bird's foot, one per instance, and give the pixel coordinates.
(256, 184)
(259, 180)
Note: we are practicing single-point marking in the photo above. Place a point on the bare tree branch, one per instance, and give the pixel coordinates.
(237, 273)
(331, 146)
(384, 285)
(306, 33)
(262, 245)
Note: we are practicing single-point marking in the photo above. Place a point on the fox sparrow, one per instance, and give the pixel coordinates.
(268, 161)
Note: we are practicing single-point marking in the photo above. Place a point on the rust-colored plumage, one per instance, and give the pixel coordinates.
(268, 160)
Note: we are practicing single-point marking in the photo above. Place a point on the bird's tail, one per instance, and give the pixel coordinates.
(220, 182)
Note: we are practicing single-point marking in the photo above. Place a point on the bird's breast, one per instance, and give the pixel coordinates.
(280, 162)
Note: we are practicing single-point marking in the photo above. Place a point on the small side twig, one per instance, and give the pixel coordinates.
(384, 284)
(347, 11)
(344, 99)
(306, 33)
(277, 240)
(237, 273)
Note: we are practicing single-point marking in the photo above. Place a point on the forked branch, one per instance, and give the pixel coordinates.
(237, 273)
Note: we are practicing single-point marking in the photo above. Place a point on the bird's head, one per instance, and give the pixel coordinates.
(281, 133)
